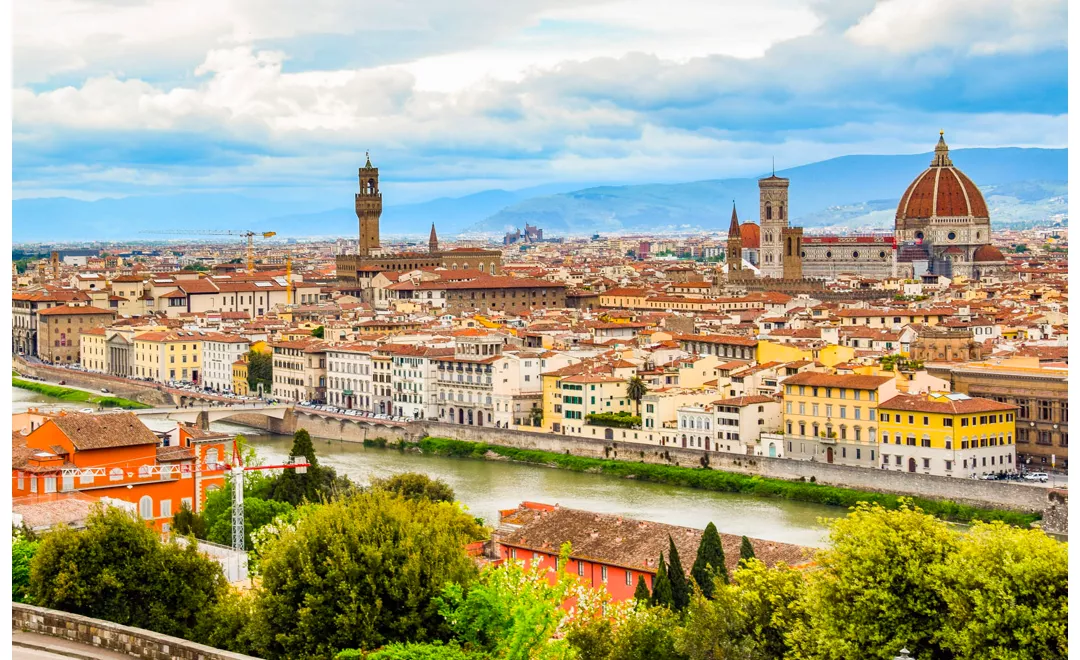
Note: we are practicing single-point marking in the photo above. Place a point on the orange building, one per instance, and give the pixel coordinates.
(115, 455)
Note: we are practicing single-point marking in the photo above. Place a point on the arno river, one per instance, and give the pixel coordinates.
(487, 486)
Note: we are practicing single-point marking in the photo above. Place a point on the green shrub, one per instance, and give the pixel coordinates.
(622, 420)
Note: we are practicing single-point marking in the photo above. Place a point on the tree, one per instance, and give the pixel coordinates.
(746, 551)
(661, 588)
(314, 485)
(118, 569)
(408, 651)
(641, 592)
(23, 550)
(415, 486)
(636, 389)
(1006, 590)
(217, 514)
(770, 602)
(680, 589)
(873, 592)
(185, 522)
(360, 572)
(710, 562)
(512, 611)
(260, 371)
(647, 633)
(318, 332)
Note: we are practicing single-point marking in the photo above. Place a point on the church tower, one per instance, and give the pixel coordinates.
(433, 241)
(734, 243)
(773, 196)
(369, 209)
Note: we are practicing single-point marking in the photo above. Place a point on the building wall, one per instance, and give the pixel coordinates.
(58, 335)
(1041, 397)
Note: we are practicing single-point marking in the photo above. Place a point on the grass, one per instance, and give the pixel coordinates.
(76, 396)
(725, 482)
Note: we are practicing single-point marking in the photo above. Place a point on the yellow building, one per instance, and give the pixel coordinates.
(240, 377)
(833, 417)
(575, 391)
(168, 356)
(947, 434)
(772, 351)
(623, 298)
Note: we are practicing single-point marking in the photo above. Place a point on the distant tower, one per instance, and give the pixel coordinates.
(369, 209)
(734, 243)
(791, 238)
(433, 241)
(773, 194)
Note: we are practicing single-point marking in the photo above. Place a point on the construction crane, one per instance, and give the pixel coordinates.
(299, 463)
(249, 235)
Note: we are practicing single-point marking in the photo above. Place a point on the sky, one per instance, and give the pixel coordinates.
(282, 98)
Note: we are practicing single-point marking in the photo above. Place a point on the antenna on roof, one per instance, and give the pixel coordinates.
(774, 165)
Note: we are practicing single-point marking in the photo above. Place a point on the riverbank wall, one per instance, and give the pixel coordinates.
(1012, 496)
(148, 393)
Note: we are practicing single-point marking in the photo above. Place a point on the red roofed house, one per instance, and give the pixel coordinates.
(115, 455)
(59, 329)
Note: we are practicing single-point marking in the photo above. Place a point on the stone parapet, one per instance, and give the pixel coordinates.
(135, 642)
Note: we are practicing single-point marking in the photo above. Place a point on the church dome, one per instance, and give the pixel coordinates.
(750, 233)
(988, 253)
(940, 191)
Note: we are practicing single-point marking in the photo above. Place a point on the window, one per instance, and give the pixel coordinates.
(146, 507)
(69, 482)
(884, 417)
(166, 508)
(116, 474)
(1045, 410)
(50, 484)
(629, 578)
(581, 568)
(926, 463)
(212, 456)
(603, 574)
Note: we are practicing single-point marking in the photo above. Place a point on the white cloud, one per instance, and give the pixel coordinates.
(979, 27)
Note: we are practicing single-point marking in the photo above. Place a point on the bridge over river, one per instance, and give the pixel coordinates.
(202, 415)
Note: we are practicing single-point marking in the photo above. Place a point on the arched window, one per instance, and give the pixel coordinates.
(146, 507)
(768, 211)
(212, 456)
(144, 471)
(781, 211)
(116, 474)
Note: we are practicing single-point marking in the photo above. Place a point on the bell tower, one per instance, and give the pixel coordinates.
(734, 243)
(773, 214)
(369, 209)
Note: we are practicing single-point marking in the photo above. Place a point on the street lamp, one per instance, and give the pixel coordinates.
(904, 655)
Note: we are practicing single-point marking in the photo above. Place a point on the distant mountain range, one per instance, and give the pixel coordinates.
(1022, 186)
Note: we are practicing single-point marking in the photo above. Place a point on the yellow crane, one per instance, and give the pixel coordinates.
(249, 235)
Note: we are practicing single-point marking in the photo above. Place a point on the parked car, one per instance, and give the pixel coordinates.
(105, 390)
(1037, 476)
(87, 410)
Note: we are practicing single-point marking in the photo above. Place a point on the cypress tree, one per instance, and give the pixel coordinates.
(641, 594)
(746, 552)
(680, 590)
(661, 590)
(710, 561)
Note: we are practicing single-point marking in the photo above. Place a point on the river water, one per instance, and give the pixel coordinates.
(487, 486)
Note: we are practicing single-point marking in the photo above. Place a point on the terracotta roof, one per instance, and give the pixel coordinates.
(955, 405)
(88, 431)
(816, 379)
(740, 401)
(61, 310)
(627, 542)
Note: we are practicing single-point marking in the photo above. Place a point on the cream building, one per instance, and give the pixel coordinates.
(168, 356)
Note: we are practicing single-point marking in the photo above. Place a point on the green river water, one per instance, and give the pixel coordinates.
(487, 486)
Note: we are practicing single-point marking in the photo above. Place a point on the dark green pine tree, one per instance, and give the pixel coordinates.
(680, 589)
(710, 561)
(641, 594)
(746, 552)
(661, 588)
